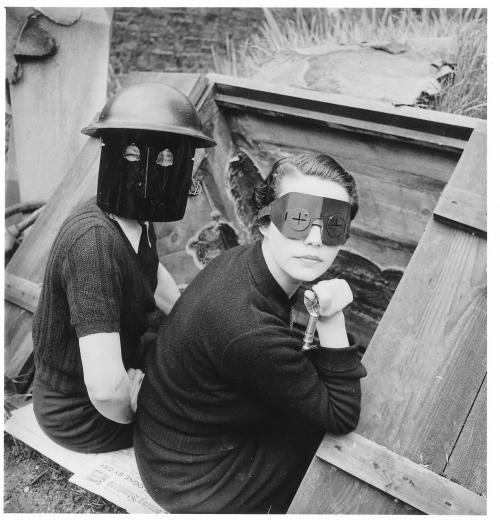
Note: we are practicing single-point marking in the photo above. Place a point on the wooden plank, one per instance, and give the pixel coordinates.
(29, 261)
(411, 165)
(431, 339)
(21, 292)
(471, 445)
(56, 97)
(399, 477)
(437, 123)
(462, 209)
(463, 202)
(343, 123)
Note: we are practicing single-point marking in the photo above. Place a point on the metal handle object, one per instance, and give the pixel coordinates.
(312, 307)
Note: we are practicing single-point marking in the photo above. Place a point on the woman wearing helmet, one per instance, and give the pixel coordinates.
(103, 277)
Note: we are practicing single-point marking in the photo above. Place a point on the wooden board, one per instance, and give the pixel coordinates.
(56, 97)
(399, 477)
(21, 292)
(463, 202)
(471, 445)
(245, 92)
(79, 184)
(426, 364)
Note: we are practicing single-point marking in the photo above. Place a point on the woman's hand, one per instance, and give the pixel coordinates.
(135, 376)
(333, 296)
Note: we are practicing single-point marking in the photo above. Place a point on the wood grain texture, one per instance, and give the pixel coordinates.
(463, 202)
(399, 477)
(79, 184)
(346, 124)
(471, 446)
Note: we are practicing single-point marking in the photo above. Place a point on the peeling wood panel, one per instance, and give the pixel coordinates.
(425, 363)
(172, 236)
(471, 446)
(402, 162)
(399, 184)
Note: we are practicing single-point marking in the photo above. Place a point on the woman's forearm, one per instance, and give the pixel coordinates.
(115, 405)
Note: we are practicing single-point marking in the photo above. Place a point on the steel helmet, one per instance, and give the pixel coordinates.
(151, 106)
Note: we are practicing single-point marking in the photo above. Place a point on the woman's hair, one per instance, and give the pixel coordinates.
(315, 164)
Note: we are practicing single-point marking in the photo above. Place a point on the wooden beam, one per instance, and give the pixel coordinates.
(21, 292)
(463, 201)
(410, 118)
(346, 124)
(399, 477)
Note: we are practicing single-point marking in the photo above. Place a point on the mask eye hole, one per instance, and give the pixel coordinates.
(165, 158)
(132, 153)
(298, 219)
(335, 226)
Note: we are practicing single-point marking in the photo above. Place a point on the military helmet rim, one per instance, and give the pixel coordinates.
(171, 112)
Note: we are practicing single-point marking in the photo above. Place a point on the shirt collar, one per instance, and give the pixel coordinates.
(131, 229)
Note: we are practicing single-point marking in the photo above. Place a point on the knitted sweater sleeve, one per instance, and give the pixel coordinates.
(93, 278)
(325, 392)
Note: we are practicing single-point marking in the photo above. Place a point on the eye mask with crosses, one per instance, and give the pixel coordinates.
(294, 214)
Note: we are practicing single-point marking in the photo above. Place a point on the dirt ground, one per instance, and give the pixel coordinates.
(35, 484)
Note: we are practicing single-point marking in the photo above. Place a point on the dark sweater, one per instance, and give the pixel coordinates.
(227, 366)
(93, 283)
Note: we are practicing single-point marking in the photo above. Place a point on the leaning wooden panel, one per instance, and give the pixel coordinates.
(79, 184)
(405, 480)
(431, 340)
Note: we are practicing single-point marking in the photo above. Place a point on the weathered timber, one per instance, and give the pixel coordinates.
(21, 292)
(463, 201)
(399, 477)
(79, 184)
(426, 364)
(56, 97)
(471, 446)
(377, 118)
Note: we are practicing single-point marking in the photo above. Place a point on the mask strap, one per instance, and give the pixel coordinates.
(264, 212)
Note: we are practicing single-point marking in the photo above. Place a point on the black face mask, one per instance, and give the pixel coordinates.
(145, 175)
(294, 214)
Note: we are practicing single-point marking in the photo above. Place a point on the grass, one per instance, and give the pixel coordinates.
(464, 92)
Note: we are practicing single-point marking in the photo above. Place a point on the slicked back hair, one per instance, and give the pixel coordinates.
(314, 164)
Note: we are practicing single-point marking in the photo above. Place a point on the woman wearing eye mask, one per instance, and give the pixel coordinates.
(231, 409)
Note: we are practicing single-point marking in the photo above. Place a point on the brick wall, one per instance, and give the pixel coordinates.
(176, 39)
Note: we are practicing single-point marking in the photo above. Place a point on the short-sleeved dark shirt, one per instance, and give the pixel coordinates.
(93, 283)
